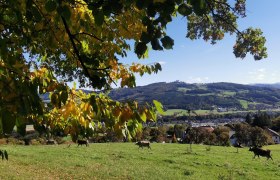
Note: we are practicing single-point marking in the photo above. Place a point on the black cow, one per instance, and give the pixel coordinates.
(143, 144)
(4, 154)
(82, 142)
(260, 152)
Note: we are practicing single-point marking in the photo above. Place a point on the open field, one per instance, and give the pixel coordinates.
(180, 112)
(126, 161)
(183, 112)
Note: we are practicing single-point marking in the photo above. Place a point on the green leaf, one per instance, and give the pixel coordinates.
(54, 98)
(140, 4)
(99, 18)
(143, 117)
(184, 9)
(146, 21)
(29, 3)
(36, 14)
(145, 37)
(85, 47)
(3, 47)
(167, 42)
(151, 10)
(199, 7)
(178, 1)
(158, 67)
(158, 33)
(50, 5)
(64, 96)
(140, 49)
(168, 8)
(65, 12)
(156, 45)
(94, 104)
(71, 1)
(28, 15)
(158, 106)
(45, 83)
(74, 85)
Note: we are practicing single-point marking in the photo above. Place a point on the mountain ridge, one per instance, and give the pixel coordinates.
(183, 95)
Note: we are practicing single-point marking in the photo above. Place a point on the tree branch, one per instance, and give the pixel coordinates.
(224, 20)
(91, 35)
(76, 51)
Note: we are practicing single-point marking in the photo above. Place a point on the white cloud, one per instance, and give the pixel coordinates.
(262, 70)
(262, 75)
(258, 75)
(197, 79)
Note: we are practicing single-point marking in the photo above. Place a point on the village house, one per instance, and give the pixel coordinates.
(29, 129)
(232, 137)
(275, 136)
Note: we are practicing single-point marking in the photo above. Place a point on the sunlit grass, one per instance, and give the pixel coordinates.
(244, 104)
(229, 93)
(179, 112)
(126, 161)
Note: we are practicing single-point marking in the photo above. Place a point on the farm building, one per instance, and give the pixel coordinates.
(29, 129)
(275, 136)
(232, 137)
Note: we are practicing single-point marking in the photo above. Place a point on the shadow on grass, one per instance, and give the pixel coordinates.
(188, 173)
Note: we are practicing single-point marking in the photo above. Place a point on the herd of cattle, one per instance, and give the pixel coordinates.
(141, 144)
(257, 151)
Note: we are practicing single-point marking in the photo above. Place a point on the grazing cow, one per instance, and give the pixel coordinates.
(143, 144)
(260, 152)
(4, 154)
(81, 142)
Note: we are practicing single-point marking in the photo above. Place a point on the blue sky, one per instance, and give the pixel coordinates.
(200, 62)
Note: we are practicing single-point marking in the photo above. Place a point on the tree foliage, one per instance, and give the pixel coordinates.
(46, 43)
(258, 136)
(262, 119)
(242, 133)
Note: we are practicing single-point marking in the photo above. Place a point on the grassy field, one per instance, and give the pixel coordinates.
(182, 112)
(126, 161)
(244, 103)
(229, 93)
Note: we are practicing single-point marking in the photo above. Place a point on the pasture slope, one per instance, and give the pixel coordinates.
(126, 161)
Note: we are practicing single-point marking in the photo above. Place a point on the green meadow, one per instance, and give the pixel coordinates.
(126, 161)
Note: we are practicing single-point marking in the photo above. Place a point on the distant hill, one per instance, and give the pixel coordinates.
(275, 85)
(180, 95)
(203, 96)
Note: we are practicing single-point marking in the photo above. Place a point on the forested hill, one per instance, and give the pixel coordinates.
(203, 96)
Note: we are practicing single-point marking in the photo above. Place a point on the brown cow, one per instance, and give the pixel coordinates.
(260, 152)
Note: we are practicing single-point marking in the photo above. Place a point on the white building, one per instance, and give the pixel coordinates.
(232, 137)
(275, 136)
